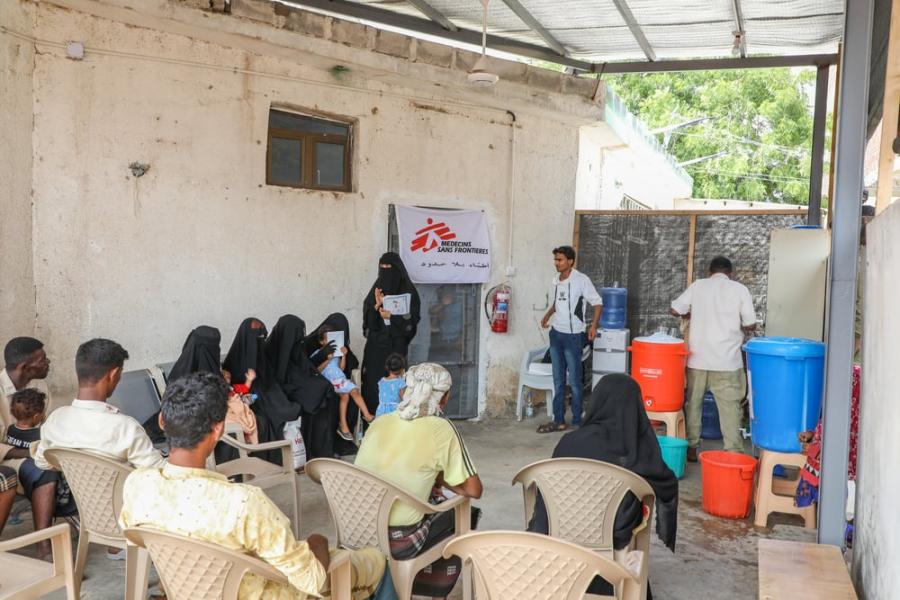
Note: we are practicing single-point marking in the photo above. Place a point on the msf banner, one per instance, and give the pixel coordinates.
(444, 246)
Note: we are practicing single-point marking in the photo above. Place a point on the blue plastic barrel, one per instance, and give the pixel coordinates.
(787, 377)
(710, 428)
(615, 303)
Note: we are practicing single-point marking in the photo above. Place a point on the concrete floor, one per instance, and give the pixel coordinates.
(715, 558)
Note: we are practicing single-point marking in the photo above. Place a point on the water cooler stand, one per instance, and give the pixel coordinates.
(610, 353)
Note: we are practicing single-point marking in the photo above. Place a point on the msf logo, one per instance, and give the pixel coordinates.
(429, 237)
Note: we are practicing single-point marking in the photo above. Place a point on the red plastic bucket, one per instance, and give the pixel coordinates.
(727, 483)
(659, 370)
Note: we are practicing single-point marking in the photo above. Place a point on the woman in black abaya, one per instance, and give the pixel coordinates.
(386, 333)
(334, 322)
(337, 322)
(272, 407)
(304, 386)
(200, 352)
(616, 430)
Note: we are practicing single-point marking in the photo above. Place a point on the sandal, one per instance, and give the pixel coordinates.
(551, 427)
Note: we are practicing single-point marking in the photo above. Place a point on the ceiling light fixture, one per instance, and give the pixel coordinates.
(480, 75)
(738, 43)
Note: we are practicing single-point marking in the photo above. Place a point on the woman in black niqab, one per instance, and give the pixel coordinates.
(272, 407)
(200, 352)
(305, 387)
(383, 339)
(616, 430)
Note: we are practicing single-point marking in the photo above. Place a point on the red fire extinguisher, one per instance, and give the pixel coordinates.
(498, 298)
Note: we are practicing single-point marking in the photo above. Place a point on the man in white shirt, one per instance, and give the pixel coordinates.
(721, 313)
(92, 424)
(571, 290)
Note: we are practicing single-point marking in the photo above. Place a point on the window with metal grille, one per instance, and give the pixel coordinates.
(308, 152)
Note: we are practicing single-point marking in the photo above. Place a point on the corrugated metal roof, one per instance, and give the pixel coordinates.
(598, 31)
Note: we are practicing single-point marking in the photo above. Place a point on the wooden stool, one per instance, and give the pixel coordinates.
(776, 494)
(674, 422)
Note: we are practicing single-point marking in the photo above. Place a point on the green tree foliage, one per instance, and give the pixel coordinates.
(761, 119)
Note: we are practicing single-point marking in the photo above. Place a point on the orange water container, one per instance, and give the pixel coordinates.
(727, 483)
(657, 364)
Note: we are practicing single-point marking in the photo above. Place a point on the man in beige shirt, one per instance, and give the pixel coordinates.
(26, 366)
(92, 424)
(184, 498)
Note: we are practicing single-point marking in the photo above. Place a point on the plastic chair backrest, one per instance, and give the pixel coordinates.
(165, 369)
(360, 502)
(582, 497)
(191, 569)
(530, 566)
(97, 483)
(137, 395)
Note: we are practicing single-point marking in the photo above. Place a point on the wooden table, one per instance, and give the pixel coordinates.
(796, 571)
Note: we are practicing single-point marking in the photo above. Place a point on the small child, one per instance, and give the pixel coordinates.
(239, 400)
(333, 370)
(390, 387)
(27, 408)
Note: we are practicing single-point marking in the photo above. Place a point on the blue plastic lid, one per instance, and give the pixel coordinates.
(806, 227)
(785, 346)
(613, 290)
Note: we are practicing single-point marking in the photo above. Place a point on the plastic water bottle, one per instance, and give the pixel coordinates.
(529, 407)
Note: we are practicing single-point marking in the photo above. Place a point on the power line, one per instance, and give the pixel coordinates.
(762, 176)
(803, 152)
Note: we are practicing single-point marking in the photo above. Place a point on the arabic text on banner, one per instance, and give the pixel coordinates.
(444, 246)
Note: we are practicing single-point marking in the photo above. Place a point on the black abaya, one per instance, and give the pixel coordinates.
(272, 407)
(306, 388)
(338, 322)
(200, 352)
(383, 340)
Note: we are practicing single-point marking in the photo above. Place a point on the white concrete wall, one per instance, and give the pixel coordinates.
(876, 544)
(615, 163)
(17, 308)
(201, 239)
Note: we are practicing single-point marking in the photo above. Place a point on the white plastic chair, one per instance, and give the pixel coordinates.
(360, 503)
(582, 497)
(191, 569)
(97, 483)
(530, 566)
(539, 376)
(258, 472)
(24, 578)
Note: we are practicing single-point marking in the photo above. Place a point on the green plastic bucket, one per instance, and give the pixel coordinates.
(674, 453)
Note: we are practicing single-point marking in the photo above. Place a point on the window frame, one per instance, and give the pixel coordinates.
(308, 142)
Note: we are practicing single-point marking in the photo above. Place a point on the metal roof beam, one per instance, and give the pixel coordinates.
(528, 19)
(739, 25)
(716, 64)
(367, 12)
(636, 30)
(434, 14)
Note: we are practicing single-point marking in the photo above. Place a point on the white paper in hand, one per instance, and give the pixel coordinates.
(397, 305)
(338, 338)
